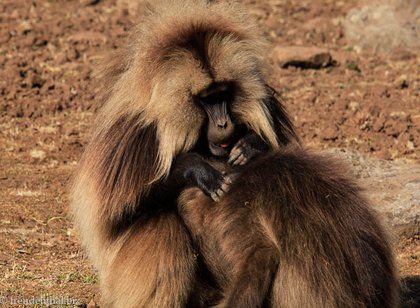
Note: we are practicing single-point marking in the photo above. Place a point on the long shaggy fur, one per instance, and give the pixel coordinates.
(128, 225)
(293, 232)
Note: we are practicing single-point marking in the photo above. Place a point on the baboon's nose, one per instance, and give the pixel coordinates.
(222, 124)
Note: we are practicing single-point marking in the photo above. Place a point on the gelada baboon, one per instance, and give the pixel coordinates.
(184, 97)
(188, 85)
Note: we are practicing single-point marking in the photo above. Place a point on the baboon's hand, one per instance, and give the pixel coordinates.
(192, 169)
(222, 190)
(242, 152)
(212, 182)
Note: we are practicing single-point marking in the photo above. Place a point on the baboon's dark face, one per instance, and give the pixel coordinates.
(222, 131)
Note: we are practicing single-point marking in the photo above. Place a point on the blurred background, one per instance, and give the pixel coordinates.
(348, 72)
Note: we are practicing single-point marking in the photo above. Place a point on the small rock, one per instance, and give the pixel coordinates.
(25, 27)
(38, 154)
(378, 124)
(37, 81)
(48, 129)
(39, 42)
(354, 106)
(410, 145)
(330, 133)
(402, 82)
(303, 57)
(398, 115)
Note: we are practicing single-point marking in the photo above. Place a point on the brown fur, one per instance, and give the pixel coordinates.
(128, 223)
(293, 232)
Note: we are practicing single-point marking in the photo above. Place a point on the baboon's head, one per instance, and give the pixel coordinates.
(194, 74)
(209, 85)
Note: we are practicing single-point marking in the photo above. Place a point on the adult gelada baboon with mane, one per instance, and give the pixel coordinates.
(185, 104)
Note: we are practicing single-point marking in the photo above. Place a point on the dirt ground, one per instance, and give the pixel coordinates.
(48, 53)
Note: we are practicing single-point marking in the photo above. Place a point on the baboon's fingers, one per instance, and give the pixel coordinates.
(233, 162)
(220, 193)
(238, 160)
(215, 197)
(236, 151)
(234, 154)
(225, 187)
(244, 160)
(231, 178)
(228, 179)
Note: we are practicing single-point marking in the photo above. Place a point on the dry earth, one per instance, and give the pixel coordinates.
(365, 100)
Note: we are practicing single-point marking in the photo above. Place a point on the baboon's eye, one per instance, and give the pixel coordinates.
(215, 98)
(216, 93)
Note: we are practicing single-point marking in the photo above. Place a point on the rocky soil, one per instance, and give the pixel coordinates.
(349, 94)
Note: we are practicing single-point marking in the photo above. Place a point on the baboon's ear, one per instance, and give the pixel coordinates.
(282, 124)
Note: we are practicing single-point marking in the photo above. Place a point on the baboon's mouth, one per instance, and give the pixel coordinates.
(220, 149)
(224, 145)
